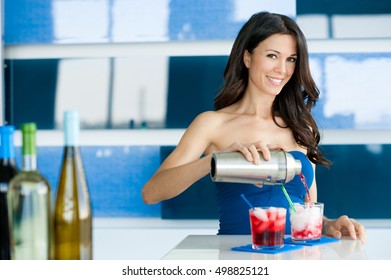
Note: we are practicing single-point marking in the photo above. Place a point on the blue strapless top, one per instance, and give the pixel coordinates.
(234, 216)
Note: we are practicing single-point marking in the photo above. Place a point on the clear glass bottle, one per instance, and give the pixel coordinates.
(8, 170)
(73, 211)
(29, 203)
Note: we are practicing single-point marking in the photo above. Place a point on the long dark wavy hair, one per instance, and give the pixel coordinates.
(297, 98)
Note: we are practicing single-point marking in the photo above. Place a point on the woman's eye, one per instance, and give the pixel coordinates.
(292, 59)
(272, 55)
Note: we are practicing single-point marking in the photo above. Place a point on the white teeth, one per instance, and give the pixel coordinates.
(275, 81)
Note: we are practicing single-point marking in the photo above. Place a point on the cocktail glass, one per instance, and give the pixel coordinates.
(306, 222)
(267, 227)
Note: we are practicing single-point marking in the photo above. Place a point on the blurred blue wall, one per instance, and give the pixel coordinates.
(357, 184)
(354, 89)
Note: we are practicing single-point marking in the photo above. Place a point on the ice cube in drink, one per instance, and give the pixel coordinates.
(267, 227)
(306, 222)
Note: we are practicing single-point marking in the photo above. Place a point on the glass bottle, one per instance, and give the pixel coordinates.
(8, 170)
(72, 212)
(29, 202)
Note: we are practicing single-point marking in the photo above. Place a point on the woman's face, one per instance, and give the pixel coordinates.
(271, 64)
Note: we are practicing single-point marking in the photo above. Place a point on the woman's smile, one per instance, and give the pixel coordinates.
(275, 81)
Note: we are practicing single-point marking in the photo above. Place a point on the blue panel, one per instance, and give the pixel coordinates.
(357, 184)
(30, 91)
(28, 22)
(107, 21)
(202, 19)
(192, 85)
(346, 7)
(115, 177)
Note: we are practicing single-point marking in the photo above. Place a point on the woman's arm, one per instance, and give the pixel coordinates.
(183, 166)
(170, 182)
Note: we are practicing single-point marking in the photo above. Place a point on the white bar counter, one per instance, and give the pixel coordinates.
(143, 238)
(218, 247)
(155, 238)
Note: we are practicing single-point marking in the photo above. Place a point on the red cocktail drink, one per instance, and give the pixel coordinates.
(267, 227)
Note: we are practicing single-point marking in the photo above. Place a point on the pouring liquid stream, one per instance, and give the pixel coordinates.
(304, 181)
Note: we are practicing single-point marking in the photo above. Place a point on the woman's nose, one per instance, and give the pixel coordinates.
(281, 67)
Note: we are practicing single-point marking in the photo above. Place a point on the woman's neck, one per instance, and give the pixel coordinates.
(256, 104)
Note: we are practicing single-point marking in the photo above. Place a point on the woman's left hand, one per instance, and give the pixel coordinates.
(344, 226)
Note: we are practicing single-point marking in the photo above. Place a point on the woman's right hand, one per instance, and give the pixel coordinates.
(252, 151)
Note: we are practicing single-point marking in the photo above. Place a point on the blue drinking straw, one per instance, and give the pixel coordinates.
(288, 198)
(248, 202)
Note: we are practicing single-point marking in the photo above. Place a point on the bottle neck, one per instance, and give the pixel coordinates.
(71, 151)
(71, 139)
(29, 162)
(7, 150)
(29, 149)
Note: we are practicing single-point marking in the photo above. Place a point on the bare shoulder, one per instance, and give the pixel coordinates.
(208, 120)
(209, 116)
(203, 129)
(195, 140)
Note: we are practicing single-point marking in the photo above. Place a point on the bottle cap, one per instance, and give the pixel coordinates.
(28, 139)
(71, 128)
(7, 129)
(29, 128)
(6, 141)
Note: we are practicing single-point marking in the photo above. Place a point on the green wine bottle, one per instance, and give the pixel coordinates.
(72, 212)
(29, 202)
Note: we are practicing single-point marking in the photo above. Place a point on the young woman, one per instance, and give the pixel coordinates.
(264, 104)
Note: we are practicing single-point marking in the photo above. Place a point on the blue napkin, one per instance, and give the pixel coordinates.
(283, 249)
(321, 241)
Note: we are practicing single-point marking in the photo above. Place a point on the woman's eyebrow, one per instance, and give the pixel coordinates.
(279, 52)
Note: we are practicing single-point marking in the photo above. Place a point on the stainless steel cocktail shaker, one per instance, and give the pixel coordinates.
(233, 167)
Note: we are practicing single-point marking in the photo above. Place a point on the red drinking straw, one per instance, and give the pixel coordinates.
(306, 186)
